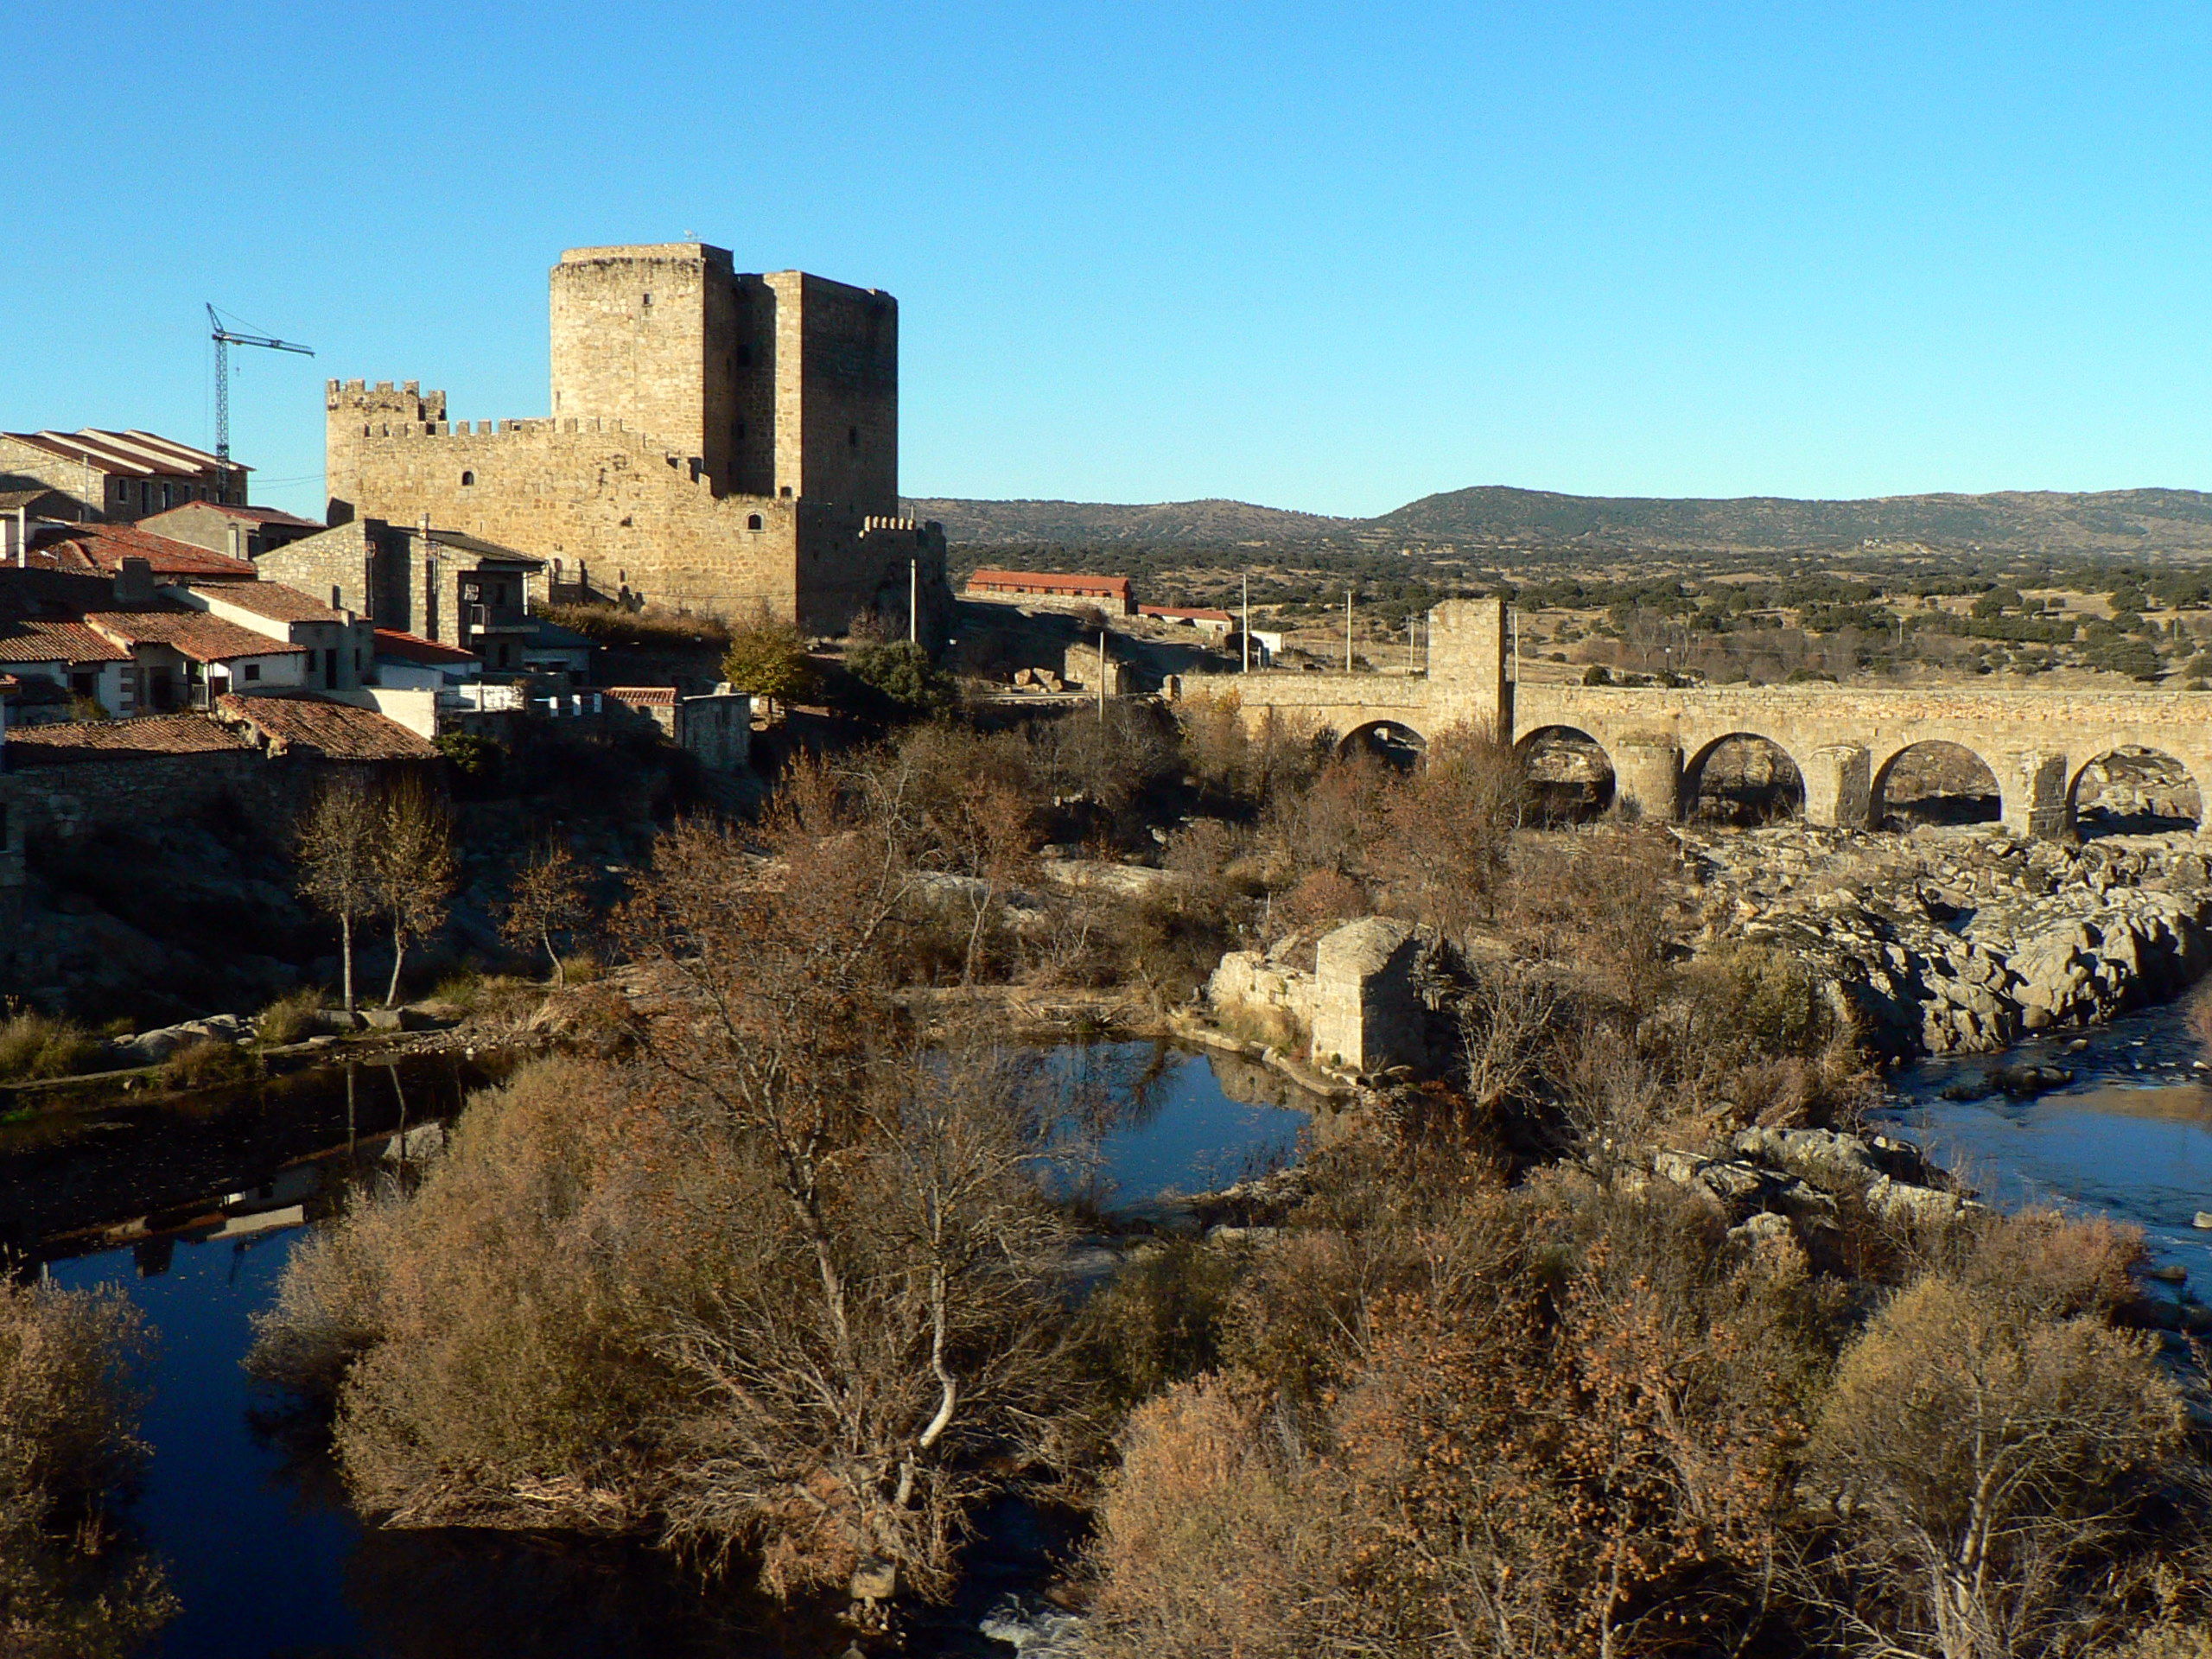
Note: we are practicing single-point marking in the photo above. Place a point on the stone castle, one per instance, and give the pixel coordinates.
(719, 441)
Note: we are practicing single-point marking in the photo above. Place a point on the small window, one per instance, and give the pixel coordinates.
(787, 490)
(254, 671)
(337, 600)
(852, 437)
(752, 521)
(649, 299)
(467, 478)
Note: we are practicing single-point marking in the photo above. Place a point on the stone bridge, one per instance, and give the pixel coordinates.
(1844, 741)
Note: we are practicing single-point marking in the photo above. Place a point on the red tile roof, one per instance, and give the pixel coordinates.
(191, 633)
(1050, 582)
(414, 648)
(336, 731)
(72, 741)
(270, 599)
(132, 452)
(100, 549)
(643, 696)
(43, 639)
(1184, 614)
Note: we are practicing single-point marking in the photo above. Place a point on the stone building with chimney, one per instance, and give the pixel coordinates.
(719, 441)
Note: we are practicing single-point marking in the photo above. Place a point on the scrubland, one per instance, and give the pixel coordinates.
(758, 1266)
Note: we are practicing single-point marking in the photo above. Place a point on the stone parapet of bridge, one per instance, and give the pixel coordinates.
(1844, 741)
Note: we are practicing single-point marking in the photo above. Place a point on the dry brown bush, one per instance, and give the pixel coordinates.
(1983, 1458)
(1445, 830)
(70, 1587)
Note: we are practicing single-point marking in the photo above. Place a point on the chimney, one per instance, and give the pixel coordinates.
(134, 582)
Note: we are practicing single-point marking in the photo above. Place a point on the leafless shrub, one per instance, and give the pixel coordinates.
(69, 1586)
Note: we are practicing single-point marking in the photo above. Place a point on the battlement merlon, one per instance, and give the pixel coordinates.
(408, 402)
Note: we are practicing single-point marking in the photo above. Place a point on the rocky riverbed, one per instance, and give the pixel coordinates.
(1961, 940)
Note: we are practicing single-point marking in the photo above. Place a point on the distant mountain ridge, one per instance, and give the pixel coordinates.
(983, 521)
(2049, 520)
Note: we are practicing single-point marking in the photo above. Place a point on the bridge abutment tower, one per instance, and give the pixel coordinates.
(1470, 677)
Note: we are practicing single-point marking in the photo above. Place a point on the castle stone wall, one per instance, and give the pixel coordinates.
(720, 442)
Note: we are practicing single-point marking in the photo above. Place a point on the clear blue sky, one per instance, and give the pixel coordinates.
(1324, 257)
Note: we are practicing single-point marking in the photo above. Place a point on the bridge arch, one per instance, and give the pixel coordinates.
(1570, 773)
(2133, 789)
(1743, 777)
(1934, 780)
(1389, 740)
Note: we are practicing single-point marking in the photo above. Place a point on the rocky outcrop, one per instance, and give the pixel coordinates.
(1793, 1182)
(1950, 941)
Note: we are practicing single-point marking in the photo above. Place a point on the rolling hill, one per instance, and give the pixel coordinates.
(2048, 521)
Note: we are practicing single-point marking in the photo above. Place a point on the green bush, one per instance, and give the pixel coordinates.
(1158, 1322)
(468, 753)
(902, 675)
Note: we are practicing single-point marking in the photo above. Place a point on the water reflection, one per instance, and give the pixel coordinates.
(1166, 1121)
(193, 1211)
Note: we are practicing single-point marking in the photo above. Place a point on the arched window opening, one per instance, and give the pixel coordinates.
(2133, 790)
(1570, 776)
(1935, 782)
(752, 521)
(1396, 746)
(1742, 779)
(467, 478)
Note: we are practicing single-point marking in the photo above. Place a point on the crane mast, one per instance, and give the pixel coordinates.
(224, 339)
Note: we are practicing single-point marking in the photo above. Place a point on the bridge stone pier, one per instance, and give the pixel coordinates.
(1844, 741)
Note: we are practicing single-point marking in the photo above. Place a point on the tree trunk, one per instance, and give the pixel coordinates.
(398, 955)
(345, 954)
(560, 969)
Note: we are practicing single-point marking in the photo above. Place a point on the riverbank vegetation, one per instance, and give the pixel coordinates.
(71, 1586)
(761, 1269)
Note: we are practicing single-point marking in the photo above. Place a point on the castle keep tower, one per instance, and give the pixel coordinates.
(718, 440)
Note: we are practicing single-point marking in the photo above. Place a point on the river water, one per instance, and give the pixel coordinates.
(192, 1212)
(2130, 1137)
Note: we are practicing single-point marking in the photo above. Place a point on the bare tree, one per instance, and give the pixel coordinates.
(548, 898)
(414, 867)
(893, 1319)
(338, 836)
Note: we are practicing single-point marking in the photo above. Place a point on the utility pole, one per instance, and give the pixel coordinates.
(1102, 676)
(1248, 622)
(913, 601)
(224, 339)
(1347, 630)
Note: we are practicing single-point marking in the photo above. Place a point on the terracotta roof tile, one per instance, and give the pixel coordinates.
(336, 731)
(414, 648)
(101, 549)
(270, 599)
(194, 633)
(1185, 613)
(73, 741)
(43, 639)
(642, 695)
(1052, 582)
